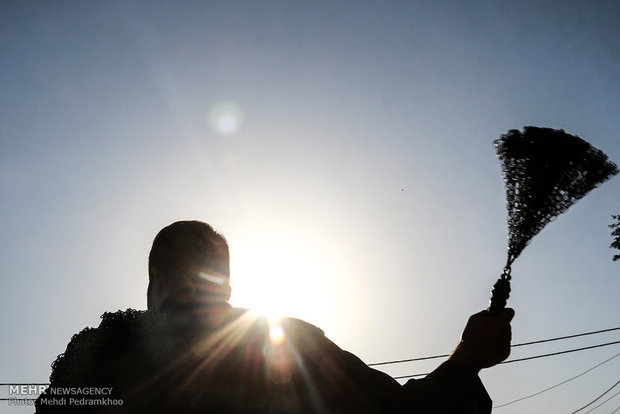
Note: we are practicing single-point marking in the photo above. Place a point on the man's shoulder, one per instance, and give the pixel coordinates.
(84, 350)
(134, 319)
(290, 325)
(124, 327)
(117, 325)
(288, 333)
(300, 325)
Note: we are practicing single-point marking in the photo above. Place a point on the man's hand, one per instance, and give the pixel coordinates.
(485, 341)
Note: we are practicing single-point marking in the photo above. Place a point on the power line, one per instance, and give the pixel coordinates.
(596, 406)
(532, 357)
(597, 398)
(411, 376)
(374, 364)
(407, 360)
(560, 352)
(566, 337)
(23, 399)
(557, 385)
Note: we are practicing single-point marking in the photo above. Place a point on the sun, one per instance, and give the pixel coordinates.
(225, 118)
(276, 278)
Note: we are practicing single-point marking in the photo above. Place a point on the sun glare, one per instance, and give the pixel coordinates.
(276, 335)
(278, 280)
(225, 118)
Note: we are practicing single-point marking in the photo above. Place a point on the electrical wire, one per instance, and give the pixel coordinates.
(528, 358)
(596, 406)
(557, 385)
(597, 398)
(560, 352)
(374, 364)
(411, 376)
(23, 399)
(565, 337)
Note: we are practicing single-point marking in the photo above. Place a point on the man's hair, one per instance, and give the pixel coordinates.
(186, 248)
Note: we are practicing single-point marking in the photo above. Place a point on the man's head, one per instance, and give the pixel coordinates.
(189, 262)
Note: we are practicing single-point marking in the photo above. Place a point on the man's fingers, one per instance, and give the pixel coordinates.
(507, 314)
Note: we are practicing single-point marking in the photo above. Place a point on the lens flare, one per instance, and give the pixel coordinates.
(225, 118)
(276, 335)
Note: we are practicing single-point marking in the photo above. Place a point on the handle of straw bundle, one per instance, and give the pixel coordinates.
(501, 290)
(499, 295)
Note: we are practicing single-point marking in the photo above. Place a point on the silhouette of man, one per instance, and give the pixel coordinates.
(191, 352)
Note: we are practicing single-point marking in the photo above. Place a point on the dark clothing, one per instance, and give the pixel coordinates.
(225, 361)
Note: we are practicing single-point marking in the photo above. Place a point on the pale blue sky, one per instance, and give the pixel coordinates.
(363, 158)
